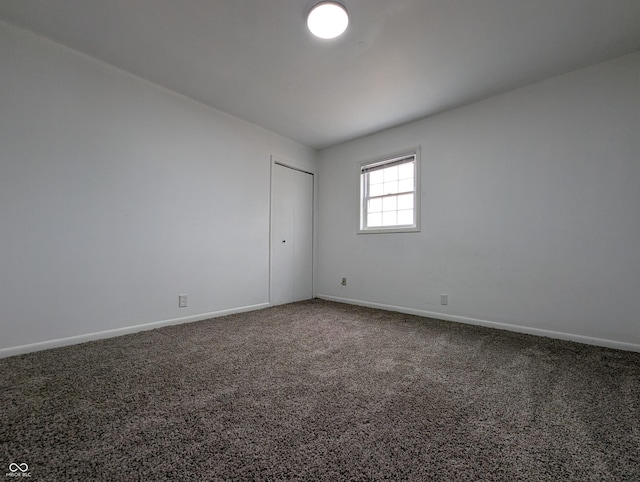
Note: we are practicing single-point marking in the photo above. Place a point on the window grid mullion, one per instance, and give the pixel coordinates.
(389, 195)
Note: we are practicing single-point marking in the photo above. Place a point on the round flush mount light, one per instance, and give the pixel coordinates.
(328, 20)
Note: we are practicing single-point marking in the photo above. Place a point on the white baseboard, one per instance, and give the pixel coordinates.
(73, 340)
(618, 345)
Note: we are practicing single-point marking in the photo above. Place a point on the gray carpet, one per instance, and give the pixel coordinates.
(322, 391)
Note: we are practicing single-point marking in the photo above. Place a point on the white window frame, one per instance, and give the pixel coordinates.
(363, 168)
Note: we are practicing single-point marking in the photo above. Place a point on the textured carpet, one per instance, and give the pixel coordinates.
(322, 391)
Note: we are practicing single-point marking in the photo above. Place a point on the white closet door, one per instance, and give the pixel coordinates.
(291, 235)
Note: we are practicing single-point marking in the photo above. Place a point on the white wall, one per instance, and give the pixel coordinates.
(117, 195)
(530, 212)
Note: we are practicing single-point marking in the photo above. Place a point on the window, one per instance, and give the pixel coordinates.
(389, 194)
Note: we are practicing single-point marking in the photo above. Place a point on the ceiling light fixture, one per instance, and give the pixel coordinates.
(327, 20)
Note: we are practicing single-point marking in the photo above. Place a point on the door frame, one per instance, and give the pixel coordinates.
(292, 165)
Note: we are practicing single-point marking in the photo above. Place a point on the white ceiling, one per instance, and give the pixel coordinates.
(398, 61)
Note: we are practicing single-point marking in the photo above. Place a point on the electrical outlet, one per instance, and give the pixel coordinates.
(444, 299)
(182, 301)
(344, 282)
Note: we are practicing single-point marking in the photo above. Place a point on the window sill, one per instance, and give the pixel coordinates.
(412, 229)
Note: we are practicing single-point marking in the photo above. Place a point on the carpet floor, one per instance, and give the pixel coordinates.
(322, 391)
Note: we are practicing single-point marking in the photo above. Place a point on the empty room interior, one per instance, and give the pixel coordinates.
(233, 248)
